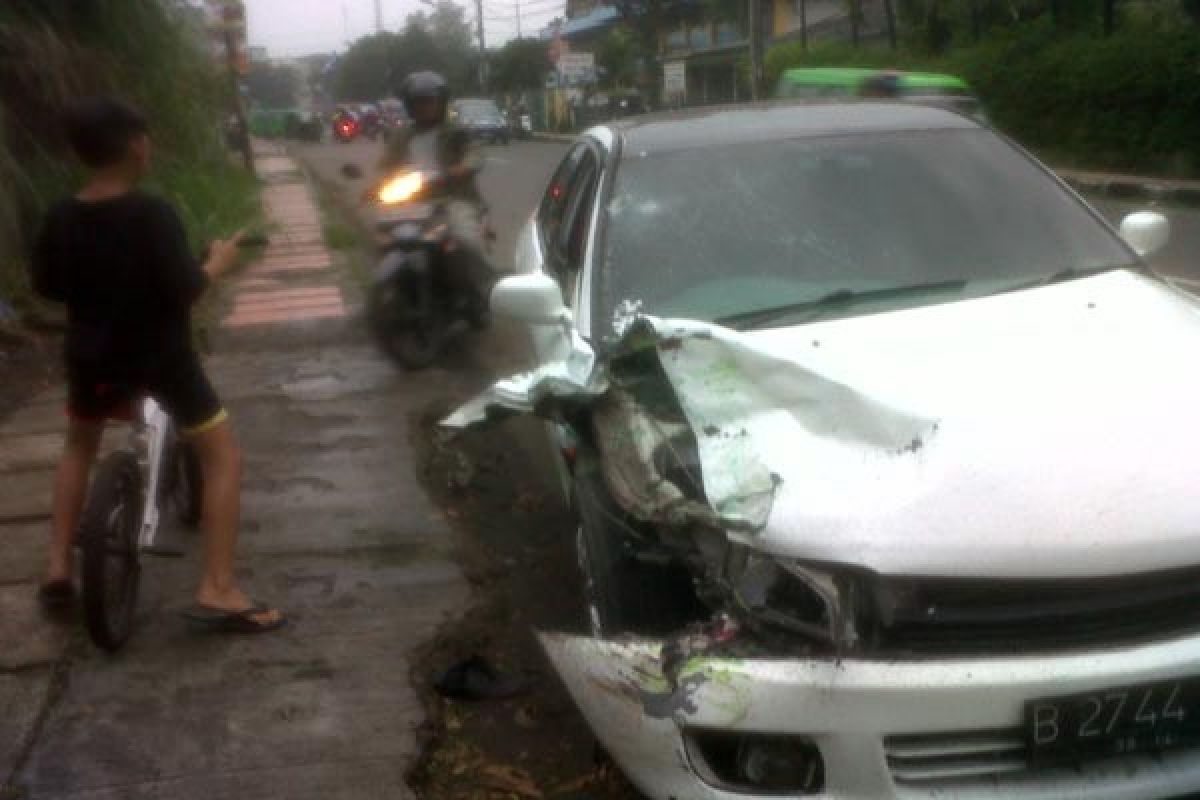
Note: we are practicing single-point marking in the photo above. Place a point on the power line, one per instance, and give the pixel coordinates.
(556, 7)
(524, 15)
(527, 7)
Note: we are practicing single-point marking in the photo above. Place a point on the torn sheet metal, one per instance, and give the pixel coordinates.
(752, 413)
(573, 379)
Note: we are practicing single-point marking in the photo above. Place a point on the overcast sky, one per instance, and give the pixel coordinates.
(300, 27)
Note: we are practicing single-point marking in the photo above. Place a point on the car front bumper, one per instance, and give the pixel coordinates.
(885, 729)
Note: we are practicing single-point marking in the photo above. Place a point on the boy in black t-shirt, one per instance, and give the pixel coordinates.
(118, 258)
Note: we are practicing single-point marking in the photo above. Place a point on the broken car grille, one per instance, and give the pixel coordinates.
(935, 616)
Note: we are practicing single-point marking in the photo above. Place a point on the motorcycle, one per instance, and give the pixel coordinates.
(411, 305)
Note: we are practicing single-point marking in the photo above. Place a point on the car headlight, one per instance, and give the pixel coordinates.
(787, 595)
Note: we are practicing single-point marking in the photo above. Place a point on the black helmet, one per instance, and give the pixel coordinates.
(424, 85)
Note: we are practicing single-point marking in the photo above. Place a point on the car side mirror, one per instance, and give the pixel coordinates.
(535, 299)
(1146, 232)
(351, 172)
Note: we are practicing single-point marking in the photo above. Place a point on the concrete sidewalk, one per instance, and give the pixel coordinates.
(336, 532)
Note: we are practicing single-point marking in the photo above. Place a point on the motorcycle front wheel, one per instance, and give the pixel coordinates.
(405, 337)
(108, 537)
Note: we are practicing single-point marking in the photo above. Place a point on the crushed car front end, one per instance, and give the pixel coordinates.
(857, 571)
(734, 726)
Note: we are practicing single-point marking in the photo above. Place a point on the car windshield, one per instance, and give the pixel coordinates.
(720, 232)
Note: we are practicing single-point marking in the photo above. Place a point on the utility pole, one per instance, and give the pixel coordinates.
(239, 111)
(755, 37)
(518, 7)
(482, 48)
(379, 16)
(804, 25)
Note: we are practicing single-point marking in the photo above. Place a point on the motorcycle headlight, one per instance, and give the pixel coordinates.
(789, 596)
(401, 188)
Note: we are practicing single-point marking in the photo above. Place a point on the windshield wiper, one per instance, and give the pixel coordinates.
(748, 320)
(1068, 274)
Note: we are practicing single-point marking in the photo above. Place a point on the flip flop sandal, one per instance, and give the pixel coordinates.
(216, 620)
(56, 595)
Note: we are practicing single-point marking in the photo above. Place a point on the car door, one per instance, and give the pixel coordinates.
(562, 234)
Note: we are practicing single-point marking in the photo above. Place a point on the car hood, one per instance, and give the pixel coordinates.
(1064, 436)
(1047, 432)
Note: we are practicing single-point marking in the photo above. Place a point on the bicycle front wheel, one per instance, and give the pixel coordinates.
(108, 538)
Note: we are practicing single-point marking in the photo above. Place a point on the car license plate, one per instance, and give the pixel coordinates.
(1111, 722)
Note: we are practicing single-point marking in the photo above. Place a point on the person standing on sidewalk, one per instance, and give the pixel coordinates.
(118, 258)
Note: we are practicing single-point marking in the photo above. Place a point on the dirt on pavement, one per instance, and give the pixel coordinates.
(516, 550)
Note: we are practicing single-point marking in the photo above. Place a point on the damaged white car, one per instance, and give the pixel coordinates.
(885, 454)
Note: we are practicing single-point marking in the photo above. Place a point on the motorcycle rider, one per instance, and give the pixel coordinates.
(431, 144)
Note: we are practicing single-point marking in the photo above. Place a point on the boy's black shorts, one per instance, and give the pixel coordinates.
(180, 387)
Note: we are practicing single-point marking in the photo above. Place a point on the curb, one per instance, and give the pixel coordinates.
(546, 136)
(1134, 189)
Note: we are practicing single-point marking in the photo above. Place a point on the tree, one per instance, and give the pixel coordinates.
(648, 20)
(617, 57)
(271, 86)
(375, 65)
(520, 64)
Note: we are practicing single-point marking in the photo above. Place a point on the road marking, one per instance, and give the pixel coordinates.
(494, 160)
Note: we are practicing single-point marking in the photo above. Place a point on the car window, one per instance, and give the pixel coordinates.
(553, 208)
(578, 211)
(733, 229)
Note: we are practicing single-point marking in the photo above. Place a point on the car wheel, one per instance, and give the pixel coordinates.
(624, 594)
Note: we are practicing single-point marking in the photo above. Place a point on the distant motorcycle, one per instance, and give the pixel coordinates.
(411, 305)
(345, 128)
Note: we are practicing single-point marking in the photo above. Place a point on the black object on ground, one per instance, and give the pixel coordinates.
(476, 679)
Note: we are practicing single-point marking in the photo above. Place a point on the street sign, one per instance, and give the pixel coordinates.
(675, 78)
(577, 68)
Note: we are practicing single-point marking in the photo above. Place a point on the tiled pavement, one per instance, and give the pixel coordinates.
(265, 293)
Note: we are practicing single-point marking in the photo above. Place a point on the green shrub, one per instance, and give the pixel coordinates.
(51, 53)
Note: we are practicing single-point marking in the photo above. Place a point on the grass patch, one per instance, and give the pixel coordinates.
(339, 236)
(344, 230)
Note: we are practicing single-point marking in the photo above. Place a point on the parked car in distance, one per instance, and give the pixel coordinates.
(1005, 606)
(481, 118)
(930, 88)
